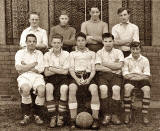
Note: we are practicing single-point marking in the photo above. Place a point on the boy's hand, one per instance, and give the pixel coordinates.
(78, 81)
(87, 81)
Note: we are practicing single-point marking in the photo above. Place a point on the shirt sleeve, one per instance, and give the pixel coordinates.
(83, 28)
(71, 60)
(146, 70)
(125, 68)
(40, 66)
(18, 58)
(121, 56)
(105, 29)
(136, 34)
(114, 33)
(98, 58)
(46, 60)
(66, 62)
(93, 60)
(23, 39)
(45, 38)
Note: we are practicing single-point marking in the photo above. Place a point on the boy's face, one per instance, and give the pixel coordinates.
(95, 13)
(108, 43)
(135, 51)
(56, 44)
(34, 20)
(81, 42)
(31, 43)
(124, 16)
(63, 20)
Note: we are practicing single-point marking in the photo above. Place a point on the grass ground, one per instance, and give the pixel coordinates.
(10, 115)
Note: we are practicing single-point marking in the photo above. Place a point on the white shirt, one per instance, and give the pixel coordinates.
(82, 61)
(28, 58)
(140, 66)
(124, 32)
(116, 55)
(40, 33)
(60, 61)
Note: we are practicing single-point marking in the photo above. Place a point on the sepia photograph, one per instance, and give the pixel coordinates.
(79, 65)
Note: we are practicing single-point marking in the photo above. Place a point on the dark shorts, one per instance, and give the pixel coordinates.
(83, 94)
(138, 84)
(95, 47)
(57, 80)
(109, 79)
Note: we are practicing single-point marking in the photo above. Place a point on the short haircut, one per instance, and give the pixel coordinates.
(57, 36)
(31, 35)
(34, 13)
(135, 44)
(64, 12)
(120, 10)
(94, 6)
(80, 34)
(107, 35)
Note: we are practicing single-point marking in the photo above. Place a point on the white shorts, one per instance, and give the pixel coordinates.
(32, 79)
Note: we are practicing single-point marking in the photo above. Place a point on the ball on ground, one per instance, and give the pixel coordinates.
(84, 120)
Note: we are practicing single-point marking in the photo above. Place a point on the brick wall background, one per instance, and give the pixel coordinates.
(8, 74)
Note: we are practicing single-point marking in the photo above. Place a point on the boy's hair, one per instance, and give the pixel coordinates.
(31, 35)
(64, 12)
(107, 35)
(135, 44)
(33, 13)
(120, 10)
(57, 36)
(80, 34)
(94, 6)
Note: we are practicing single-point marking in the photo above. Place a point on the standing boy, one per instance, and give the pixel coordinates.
(109, 62)
(65, 30)
(29, 64)
(41, 34)
(94, 28)
(125, 32)
(136, 72)
(82, 70)
(56, 70)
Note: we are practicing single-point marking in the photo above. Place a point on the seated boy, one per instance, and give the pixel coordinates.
(29, 64)
(109, 62)
(65, 30)
(136, 72)
(82, 70)
(56, 69)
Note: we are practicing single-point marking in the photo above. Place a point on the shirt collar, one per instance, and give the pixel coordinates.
(131, 57)
(30, 29)
(51, 52)
(107, 51)
(81, 51)
(126, 22)
(95, 21)
(27, 50)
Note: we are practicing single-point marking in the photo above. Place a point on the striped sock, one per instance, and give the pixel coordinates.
(145, 105)
(51, 107)
(62, 107)
(127, 104)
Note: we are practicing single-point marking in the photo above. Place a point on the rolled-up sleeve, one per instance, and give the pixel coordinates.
(40, 66)
(146, 70)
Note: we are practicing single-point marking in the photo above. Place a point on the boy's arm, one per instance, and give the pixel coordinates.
(114, 65)
(73, 74)
(70, 41)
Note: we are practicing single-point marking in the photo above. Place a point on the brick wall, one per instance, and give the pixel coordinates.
(8, 75)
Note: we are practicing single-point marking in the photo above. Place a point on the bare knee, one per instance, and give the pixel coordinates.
(104, 91)
(72, 89)
(41, 90)
(93, 88)
(146, 91)
(128, 88)
(63, 89)
(25, 90)
(116, 89)
(49, 88)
